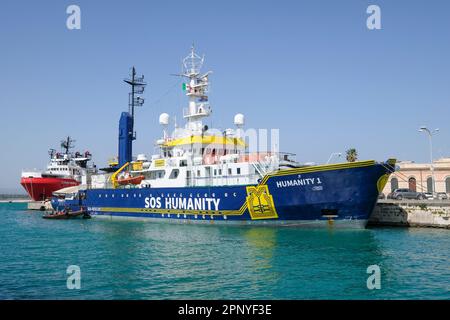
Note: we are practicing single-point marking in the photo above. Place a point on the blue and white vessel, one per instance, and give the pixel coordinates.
(200, 175)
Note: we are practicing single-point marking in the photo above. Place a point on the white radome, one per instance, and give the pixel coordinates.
(239, 119)
(230, 132)
(164, 119)
(141, 157)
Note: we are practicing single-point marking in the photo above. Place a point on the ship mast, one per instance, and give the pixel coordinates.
(137, 87)
(126, 122)
(196, 90)
(67, 144)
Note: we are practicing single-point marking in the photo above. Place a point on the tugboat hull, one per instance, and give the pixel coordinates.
(41, 188)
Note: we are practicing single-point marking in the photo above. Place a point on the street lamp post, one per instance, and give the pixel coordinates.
(332, 155)
(430, 136)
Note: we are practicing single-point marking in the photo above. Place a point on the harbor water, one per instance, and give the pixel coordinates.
(145, 260)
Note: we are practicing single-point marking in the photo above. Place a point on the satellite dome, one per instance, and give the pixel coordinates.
(141, 157)
(164, 119)
(229, 132)
(239, 119)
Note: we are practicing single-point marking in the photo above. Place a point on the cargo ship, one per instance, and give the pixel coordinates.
(65, 169)
(199, 175)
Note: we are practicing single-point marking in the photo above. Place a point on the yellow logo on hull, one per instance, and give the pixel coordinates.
(260, 203)
(381, 183)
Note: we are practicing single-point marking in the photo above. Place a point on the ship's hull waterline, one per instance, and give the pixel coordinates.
(340, 195)
(312, 224)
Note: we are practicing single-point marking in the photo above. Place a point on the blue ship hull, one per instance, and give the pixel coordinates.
(339, 195)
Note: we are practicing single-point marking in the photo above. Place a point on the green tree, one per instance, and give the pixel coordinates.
(352, 155)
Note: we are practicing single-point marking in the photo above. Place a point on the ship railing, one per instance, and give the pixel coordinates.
(222, 180)
(266, 155)
(200, 110)
(260, 168)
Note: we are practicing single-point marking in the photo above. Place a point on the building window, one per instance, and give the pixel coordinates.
(238, 170)
(447, 185)
(394, 184)
(412, 184)
(430, 185)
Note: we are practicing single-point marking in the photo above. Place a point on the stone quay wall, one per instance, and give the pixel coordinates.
(411, 213)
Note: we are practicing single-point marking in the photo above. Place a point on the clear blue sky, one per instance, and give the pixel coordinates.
(310, 68)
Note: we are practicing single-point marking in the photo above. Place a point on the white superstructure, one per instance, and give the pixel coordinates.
(195, 155)
(64, 166)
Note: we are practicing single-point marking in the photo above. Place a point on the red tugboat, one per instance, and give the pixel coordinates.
(64, 170)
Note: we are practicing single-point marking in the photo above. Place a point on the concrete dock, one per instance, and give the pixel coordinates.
(411, 213)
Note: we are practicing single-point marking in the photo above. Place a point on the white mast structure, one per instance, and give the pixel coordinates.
(196, 91)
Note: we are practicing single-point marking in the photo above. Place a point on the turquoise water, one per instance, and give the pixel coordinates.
(135, 260)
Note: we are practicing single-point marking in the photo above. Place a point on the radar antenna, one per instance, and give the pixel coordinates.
(196, 90)
(192, 64)
(67, 144)
(51, 153)
(137, 88)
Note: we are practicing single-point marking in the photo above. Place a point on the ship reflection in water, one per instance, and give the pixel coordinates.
(213, 262)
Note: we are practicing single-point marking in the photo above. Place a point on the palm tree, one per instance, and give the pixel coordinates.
(352, 155)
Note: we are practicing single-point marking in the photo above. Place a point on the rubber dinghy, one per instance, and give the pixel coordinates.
(61, 215)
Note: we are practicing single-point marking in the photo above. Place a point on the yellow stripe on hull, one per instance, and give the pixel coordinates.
(325, 167)
(174, 211)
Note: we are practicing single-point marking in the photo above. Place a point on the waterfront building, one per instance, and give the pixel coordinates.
(417, 176)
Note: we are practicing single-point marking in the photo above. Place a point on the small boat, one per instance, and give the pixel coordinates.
(61, 215)
(131, 180)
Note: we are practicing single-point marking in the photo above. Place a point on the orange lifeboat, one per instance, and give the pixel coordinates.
(131, 180)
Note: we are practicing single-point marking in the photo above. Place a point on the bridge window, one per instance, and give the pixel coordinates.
(157, 174)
